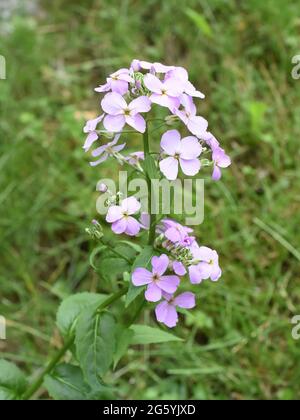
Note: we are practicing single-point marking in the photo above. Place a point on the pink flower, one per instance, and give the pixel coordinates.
(165, 93)
(107, 150)
(181, 74)
(117, 82)
(207, 267)
(119, 113)
(166, 311)
(221, 160)
(197, 125)
(90, 128)
(156, 282)
(183, 152)
(121, 217)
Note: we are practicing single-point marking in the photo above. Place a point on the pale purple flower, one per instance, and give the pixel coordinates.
(134, 158)
(106, 150)
(117, 82)
(183, 152)
(182, 74)
(196, 124)
(165, 93)
(221, 160)
(156, 281)
(119, 113)
(166, 311)
(103, 188)
(121, 217)
(177, 233)
(90, 129)
(206, 265)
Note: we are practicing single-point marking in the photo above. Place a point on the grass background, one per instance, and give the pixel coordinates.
(238, 341)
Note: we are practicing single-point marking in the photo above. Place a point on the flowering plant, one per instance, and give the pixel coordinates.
(164, 264)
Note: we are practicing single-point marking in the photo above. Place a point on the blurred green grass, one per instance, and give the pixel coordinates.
(239, 342)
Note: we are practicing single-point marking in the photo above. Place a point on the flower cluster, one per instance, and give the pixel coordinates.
(131, 93)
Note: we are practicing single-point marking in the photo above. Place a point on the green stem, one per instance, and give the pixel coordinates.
(56, 358)
(149, 184)
(114, 251)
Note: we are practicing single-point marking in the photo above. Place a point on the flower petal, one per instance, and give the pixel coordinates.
(190, 167)
(197, 125)
(141, 276)
(113, 103)
(166, 313)
(153, 83)
(168, 284)
(185, 300)
(194, 275)
(102, 159)
(119, 226)
(133, 226)
(114, 213)
(153, 293)
(170, 142)
(119, 86)
(190, 148)
(137, 122)
(91, 138)
(179, 268)
(114, 123)
(130, 205)
(160, 264)
(169, 167)
(141, 104)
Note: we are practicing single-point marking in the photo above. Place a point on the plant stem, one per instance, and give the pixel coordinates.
(149, 184)
(56, 358)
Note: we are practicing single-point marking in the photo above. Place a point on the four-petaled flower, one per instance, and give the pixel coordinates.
(182, 74)
(164, 93)
(156, 281)
(177, 233)
(106, 150)
(206, 265)
(117, 82)
(183, 152)
(166, 312)
(119, 113)
(121, 217)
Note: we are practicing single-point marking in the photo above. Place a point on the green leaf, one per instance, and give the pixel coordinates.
(124, 340)
(144, 334)
(200, 22)
(142, 260)
(95, 343)
(71, 308)
(12, 381)
(94, 254)
(134, 246)
(66, 382)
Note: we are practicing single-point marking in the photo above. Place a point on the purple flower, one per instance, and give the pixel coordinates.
(134, 158)
(156, 282)
(176, 233)
(107, 150)
(90, 128)
(181, 74)
(221, 160)
(197, 125)
(166, 311)
(164, 93)
(207, 267)
(117, 82)
(121, 217)
(145, 220)
(120, 113)
(183, 152)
